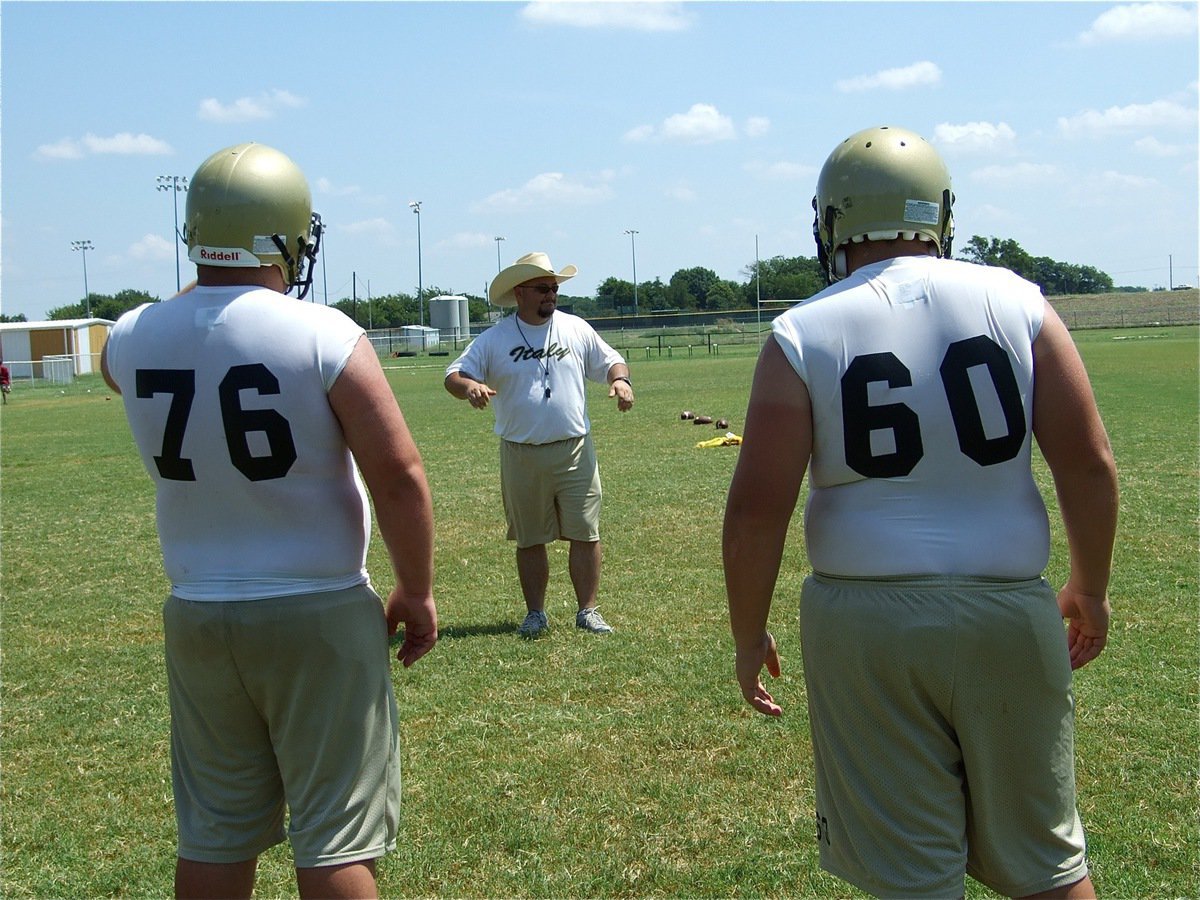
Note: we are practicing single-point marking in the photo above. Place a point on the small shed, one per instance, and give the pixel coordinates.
(28, 348)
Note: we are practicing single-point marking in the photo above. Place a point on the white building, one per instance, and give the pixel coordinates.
(26, 346)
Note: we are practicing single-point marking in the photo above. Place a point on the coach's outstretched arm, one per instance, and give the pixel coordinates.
(393, 472)
(1072, 438)
(464, 387)
(766, 483)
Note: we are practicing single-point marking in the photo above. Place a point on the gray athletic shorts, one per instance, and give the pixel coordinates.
(283, 698)
(550, 491)
(943, 735)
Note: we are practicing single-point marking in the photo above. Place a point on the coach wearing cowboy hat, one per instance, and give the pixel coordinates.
(535, 364)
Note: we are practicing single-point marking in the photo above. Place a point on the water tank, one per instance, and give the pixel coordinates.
(451, 315)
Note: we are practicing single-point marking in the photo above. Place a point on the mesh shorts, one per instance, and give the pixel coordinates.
(943, 735)
(286, 697)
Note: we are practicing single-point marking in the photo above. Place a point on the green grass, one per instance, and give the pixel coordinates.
(625, 766)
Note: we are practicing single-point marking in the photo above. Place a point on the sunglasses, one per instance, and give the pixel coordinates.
(542, 289)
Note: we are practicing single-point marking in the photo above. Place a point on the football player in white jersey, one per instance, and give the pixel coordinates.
(255, 414)
(936, 662)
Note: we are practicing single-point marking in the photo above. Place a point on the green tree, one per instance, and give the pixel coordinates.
(19, 317)
(688, 288)
(782, 278)
(1052, 276)
(614, 295)
(103, 306)
(724, 295)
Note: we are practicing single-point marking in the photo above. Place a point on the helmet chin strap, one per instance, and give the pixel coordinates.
(305, 253)
(839, 264)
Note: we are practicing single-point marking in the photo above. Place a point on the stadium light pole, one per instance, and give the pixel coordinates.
(498, 240)
(416, 208)
(758, 290)
(633, 252)
(85, 246)
(175, 184)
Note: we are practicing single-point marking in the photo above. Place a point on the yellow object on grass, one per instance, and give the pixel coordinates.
(729, 440)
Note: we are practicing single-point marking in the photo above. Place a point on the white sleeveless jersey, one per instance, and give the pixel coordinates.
(920, 372)
(226, 394)
(539, 373)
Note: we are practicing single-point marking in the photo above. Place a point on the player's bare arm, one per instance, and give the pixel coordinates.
(762, 497)
(1073, 441)
(394, 474)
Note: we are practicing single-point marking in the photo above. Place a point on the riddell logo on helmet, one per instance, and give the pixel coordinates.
(236, 257)
(220, 255)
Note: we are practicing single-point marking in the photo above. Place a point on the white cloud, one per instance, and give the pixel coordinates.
(153, 247)
(1142, 21)
(249, 109)
(919, 74)
(1019, 173)
(639, 16)
(702, 124)
(1152, 146)
(546, 189)
(780, 171)
(974, 136)
(1159, 113)
(67, 148)
(123, 144)
(639, 133)
(757, 126)
(325, 186)
(1118, 180)
(680, 192)
(377, 227)
(468, 240)
(126, 144)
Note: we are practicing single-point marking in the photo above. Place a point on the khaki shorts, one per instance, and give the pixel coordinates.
(943, 735)
(550, 491)
(286, 697)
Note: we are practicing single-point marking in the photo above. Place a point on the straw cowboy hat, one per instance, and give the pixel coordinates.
(528, 267)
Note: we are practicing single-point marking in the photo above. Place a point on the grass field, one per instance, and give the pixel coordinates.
(574, 766)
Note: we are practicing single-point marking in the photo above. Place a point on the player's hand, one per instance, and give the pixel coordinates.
(749, 665)
(479, 395)
(1087, 624)
(418, 615)
(624, 394)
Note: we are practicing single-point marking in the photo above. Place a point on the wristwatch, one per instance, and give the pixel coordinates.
(624, 379)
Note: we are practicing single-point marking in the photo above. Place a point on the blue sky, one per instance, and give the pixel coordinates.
(1070, 127)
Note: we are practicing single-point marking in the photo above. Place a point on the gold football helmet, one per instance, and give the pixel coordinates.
(879, 184)
(248, 206)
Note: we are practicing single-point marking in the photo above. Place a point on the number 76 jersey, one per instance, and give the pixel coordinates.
(226, 392)
(920, 373)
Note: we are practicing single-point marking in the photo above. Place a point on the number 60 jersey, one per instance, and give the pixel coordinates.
(920, 373)
(226, 391)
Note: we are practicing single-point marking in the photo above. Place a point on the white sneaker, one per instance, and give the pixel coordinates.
(535, 623)
(590, 620)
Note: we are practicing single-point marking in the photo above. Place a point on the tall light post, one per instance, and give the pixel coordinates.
(85, 246)
(498, 240)
(416, 208)
(175, 184)
(633, 251)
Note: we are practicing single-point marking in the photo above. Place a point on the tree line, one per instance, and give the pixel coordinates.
(778, 280)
